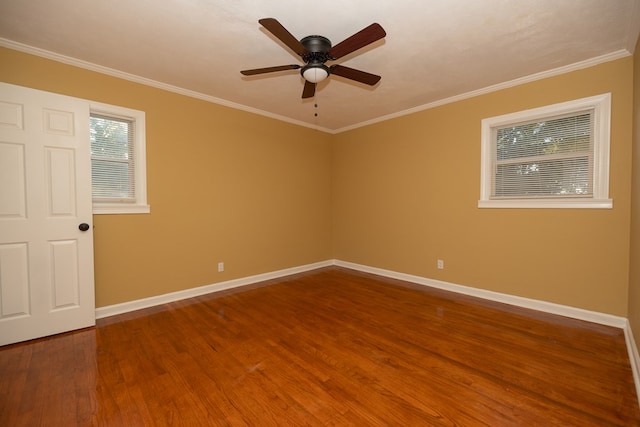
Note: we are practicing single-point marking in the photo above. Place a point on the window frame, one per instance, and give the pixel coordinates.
(601, 106)
(139, 205)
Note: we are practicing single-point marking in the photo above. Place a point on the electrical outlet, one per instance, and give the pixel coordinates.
(220, 267)
(440, 264)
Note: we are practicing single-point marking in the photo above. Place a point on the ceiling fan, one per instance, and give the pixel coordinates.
(315, 51)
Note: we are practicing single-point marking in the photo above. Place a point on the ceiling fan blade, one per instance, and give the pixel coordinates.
(309, 89)
(353, 74)
(269, 69)
(372, 33)
(283, 35)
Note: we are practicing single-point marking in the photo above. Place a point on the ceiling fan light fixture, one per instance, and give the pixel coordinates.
(315, 73)
(315, 50)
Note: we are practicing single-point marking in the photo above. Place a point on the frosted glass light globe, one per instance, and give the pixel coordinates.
(315, 74)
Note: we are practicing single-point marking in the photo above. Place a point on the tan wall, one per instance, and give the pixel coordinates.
(634, 276)
(405, 193)
(262, 195)
(223, 185)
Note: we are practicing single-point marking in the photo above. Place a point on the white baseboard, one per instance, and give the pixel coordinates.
(634, 357)
(125, 307)
(547, 307)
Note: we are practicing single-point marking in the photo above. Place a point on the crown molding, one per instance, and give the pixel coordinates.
(147, 82)
(193, 94)
(494, 88)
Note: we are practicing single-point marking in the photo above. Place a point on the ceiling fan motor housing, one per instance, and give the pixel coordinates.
(315, 44)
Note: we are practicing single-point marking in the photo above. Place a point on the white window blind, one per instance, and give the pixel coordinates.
(555, 156)
(545, 159)
(112, 159)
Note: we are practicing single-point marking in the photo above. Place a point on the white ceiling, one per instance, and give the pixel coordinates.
(434, 49)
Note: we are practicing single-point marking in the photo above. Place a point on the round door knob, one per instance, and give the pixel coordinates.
(84, 226)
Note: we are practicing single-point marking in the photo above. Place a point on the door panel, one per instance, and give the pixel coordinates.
(64, 277)
(61, 191)
(12, 184)
(46, 262)
(14, 280)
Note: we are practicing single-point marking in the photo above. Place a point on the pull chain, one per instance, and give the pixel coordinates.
(315, 111)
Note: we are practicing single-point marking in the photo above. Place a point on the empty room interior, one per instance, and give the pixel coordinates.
(347, 257)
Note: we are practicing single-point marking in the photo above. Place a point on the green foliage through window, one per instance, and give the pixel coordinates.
(547, 158)
(112, 167)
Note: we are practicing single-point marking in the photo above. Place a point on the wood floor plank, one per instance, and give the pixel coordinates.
(332, 347)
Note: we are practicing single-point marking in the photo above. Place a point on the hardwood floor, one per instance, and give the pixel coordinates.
(330, 347)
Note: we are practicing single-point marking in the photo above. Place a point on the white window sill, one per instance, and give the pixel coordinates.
(107, 208)
(547, 204)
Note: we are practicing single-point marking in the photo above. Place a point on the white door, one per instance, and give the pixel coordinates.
(46, 260)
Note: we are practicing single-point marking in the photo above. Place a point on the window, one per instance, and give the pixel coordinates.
(118, 167)
(550, 157)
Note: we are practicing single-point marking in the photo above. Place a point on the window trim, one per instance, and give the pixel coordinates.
(139, 206)
(601, 105)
